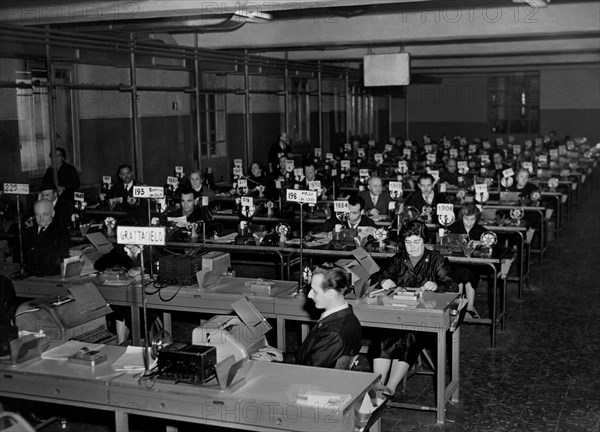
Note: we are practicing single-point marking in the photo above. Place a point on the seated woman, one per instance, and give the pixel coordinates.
(337, 332)
(468, 277)
(522, 185)
(259, 183)
(415, 267)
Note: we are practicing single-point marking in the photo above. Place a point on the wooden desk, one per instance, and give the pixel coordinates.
(265, 401)
(432, 315)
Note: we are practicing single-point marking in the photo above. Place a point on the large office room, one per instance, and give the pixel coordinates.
(300, 216)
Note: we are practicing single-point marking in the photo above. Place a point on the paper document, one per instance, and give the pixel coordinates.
(66, 350)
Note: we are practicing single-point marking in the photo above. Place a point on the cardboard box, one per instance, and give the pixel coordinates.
(361, 268)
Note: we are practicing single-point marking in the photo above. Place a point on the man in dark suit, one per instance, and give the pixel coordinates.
(121, 197)
(68, 179)
(45, 244)
(278, 150)
(356, 217)
(63, 208)
(376, 200)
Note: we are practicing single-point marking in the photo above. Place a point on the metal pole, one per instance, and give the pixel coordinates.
(248, 143)
(348, 114)
(51, 111)
(145, 309)
(137, 147)
(197, 102)
(406, 113)
(286, 96)
(320, 106)
(389, 116)
(21, 270)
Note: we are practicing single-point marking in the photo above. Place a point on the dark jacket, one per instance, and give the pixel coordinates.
(431, 267)
(458, 227)
(330, 223)
(382, 202)
(416, 200)
(63, 209)
(43, 252)
(332, 337)
(67, 178)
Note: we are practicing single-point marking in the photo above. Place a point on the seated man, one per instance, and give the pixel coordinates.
(63, 209)
(376, 200)
(68, 179)
(523, 186)
(356, 217)
(337, 332)
(426, 198)
(45, 244)
(121, 197)
(189, 212)
(449, 175)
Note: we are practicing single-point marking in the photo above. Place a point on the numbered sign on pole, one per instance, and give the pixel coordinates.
(347, 146)
(237, 163)
(328, 156)
(395, 187)
(148, 192)
(301, 196)
(150, 236)
(481, 188)
(247, 202)
(445, 209)
(16, 188)
(345, 164)
(172, 181)
(318, 152)
(79, 196)
(243, 183)
(179, 169)
(314, 185)
(406, 153)
(379, 157)
(107, 179)
(363, 172)
(361, 152)
(341, 206)
(508, 172)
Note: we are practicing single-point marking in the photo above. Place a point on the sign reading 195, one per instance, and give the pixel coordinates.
(16, 188)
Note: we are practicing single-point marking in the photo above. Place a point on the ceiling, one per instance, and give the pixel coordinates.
(442, 37)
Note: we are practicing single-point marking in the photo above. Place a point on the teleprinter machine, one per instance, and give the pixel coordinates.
(77, 313)
(234, 335)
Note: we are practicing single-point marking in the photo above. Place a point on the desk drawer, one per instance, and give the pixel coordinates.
(426, 321)
(55, 388)
(195, 405)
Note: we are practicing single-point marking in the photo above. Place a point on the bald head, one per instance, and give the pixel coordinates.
(44, 212)
(375, 186)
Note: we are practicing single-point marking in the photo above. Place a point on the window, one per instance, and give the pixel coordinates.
(33, 114)
(299, 111)
(213, 117)
(514, 104)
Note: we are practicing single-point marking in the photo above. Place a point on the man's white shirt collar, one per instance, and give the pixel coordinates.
(334, 310)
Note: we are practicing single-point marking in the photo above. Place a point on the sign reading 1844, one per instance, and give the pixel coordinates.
(302, 196)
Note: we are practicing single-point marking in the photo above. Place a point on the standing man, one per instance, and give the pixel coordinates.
(68, 179)
(376, 201)
(278, 150)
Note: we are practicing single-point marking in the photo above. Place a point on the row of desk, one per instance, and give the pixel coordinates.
(432, 315)
(266, 400)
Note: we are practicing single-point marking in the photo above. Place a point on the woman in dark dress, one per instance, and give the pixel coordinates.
(468, 277)
(415, 267)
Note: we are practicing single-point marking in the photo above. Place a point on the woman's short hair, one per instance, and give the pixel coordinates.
(470, 209)
(334, 277)
(260, 166)
(416, 228)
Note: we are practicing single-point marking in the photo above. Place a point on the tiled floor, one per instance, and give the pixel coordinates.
(544, 374)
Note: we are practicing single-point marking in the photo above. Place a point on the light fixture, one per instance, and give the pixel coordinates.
(534, 3)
